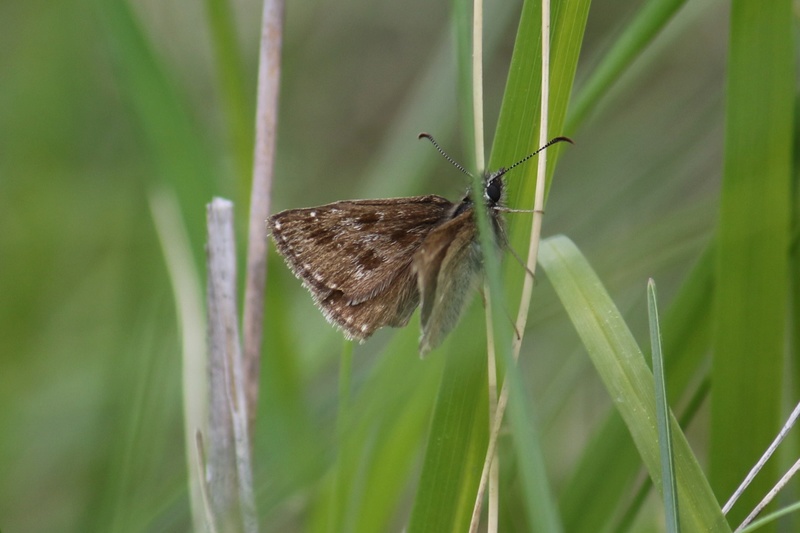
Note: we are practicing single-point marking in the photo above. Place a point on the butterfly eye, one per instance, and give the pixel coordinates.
(493, 190)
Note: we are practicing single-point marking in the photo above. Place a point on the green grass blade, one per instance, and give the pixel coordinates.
(462, 22)
(627, 378)
(456, 446)
(669, 489)
(539, 502)
(517, 131)
(757, 525)
(517, 134)
(753, 240)
(540, 507)
(519, 115)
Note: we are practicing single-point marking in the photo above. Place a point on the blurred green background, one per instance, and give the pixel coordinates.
(102, 103)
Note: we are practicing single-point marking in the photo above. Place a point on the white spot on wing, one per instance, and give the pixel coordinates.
(277, 225)
(363, 328)
(313, 214)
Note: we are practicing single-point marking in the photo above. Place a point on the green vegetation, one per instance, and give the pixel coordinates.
(683, 171)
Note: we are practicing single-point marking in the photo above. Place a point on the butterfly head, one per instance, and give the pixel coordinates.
(494, 190)
(493, 194)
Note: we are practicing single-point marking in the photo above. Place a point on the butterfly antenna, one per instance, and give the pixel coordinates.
(444, 154)
(550, 143)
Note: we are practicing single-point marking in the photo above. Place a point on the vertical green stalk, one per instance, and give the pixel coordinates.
(753, 241)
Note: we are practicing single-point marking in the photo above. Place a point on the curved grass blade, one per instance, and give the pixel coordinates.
(608, 467)
(627, 378)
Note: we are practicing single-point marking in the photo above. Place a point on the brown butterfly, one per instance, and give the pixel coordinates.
(369, 263)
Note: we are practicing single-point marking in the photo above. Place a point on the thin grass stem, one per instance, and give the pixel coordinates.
(269, 69)
(533, 251)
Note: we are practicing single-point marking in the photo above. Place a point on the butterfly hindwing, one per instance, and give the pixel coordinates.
(447, 264)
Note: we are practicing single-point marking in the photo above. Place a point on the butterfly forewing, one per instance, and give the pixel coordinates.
(355, 256)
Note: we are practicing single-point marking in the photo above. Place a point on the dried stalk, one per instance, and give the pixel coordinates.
(229, 468)
(269, 69)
